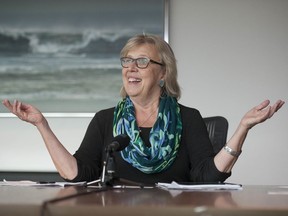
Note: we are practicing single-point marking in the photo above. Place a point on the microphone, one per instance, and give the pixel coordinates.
(119, 143)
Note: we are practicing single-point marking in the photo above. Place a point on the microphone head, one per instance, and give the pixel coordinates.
(119, 143)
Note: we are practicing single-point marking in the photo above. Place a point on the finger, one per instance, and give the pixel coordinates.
(20, 112)
(262, 105)
(18, 107)
(14, 107)
(265, 114)
(7, 104)
(276, 107)
(268, 113)
(279, 105)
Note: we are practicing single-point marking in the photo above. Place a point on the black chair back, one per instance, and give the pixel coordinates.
(217, 127)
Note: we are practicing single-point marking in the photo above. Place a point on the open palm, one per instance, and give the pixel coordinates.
(260, 113)
(25, 112)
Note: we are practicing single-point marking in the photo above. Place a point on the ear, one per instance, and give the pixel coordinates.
(163, 74)
(161, 83)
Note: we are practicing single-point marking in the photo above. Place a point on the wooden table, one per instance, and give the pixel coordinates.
(252, 200)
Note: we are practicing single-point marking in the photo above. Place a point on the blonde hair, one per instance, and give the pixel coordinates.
(171, 86)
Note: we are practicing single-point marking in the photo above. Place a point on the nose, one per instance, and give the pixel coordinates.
(133, 66)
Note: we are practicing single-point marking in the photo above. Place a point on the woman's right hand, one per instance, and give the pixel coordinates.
(64, 162)
(25, 112)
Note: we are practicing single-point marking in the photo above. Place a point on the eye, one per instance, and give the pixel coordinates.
(143, 61)
(127, 60)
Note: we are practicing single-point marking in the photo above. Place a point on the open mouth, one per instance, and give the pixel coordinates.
(134, 80)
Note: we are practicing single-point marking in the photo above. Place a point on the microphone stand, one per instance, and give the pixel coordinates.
(108, 177)
(108, 171)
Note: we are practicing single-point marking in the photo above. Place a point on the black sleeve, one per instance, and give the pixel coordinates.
(89, 156)
(200, 149)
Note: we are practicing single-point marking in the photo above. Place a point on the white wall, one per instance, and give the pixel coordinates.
(22, 148)
(233, 54)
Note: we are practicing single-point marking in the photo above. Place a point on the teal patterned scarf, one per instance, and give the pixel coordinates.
(164, 137)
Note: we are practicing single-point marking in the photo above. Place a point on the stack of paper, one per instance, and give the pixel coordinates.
(198, 186)
(33, 183)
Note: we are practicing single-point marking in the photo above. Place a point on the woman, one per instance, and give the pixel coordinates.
(168, 141)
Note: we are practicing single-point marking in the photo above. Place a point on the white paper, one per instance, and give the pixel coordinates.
(279, 190)
(39, 184)
(216, 186)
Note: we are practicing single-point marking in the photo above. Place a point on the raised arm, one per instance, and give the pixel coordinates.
(227, 157)
(64, 162)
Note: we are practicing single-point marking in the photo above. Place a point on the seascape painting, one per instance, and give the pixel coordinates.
(63, 55)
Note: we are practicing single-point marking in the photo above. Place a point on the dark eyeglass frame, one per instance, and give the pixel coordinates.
(136, 61)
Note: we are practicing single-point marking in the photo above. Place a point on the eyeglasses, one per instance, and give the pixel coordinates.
(142, 62)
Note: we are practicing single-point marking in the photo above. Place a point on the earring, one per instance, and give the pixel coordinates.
(161, 83)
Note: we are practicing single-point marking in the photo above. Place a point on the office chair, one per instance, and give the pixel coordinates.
(217, 127)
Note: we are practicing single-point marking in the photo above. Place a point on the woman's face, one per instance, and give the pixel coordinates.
(143, 82)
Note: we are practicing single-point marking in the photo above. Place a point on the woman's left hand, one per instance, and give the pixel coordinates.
(260, 113)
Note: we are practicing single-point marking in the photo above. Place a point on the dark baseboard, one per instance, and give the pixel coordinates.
(33, 176)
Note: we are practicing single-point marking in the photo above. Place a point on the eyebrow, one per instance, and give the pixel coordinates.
(140, 56)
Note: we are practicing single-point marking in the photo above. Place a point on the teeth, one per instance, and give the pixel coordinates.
(134, 79)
